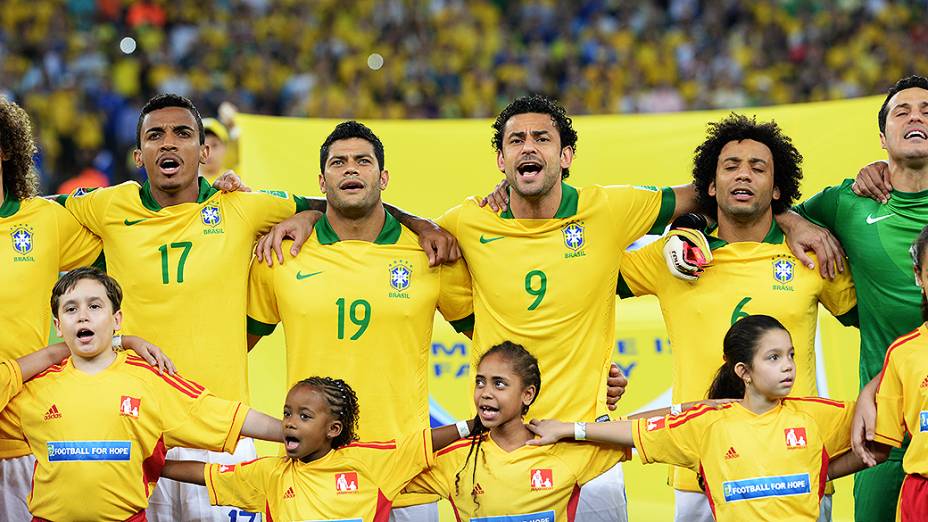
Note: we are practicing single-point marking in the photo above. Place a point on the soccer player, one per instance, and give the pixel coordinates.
(327, 473)
(876, 238)
(42, 240)
(766, 457)
(902, 402)
(494, 473)
(361, 297)
(745, 172)
(106, 419)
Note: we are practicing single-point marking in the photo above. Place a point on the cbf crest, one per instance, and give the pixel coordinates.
(574, 236)
(400, 275)
(783, 269)
(23, 239)
(211, 215)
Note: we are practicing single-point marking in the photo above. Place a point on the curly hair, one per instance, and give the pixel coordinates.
(787, 161)
(537, 103)
(17, 148)
(906, 83)
(343, 405)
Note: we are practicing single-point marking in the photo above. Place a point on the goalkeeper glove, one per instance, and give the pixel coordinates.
(687, 252)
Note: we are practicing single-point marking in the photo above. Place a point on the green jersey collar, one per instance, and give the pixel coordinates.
(149, 201)
(774, 236)
(10, 205)
(389, 234)
(568, 207)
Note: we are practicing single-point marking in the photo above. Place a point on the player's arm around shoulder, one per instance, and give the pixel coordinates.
(839, 296)
(247, 485)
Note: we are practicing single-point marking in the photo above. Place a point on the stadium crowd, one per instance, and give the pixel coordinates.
(83, 68)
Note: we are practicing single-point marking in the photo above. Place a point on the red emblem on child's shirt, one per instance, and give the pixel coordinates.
(795, 438)
(225, 468)
(346, 482)
(129, 406)
(541, 479)
(655, 423)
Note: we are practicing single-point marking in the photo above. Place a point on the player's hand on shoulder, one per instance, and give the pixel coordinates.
(151, 353)
(548, 431)
(297, 227)
(863, 425)
(440, 246)
(230, 182)
(616, 383)
(499, 198)
(686, 248)
(805, 236)
(873, 181)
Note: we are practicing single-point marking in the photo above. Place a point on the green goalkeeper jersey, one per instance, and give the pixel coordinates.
(876, 239)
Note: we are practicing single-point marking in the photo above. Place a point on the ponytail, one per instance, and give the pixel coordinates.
(739, 346)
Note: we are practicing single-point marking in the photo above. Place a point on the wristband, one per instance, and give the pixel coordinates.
(117, 342)
(463, 430)
(676, 409)
(579, 431)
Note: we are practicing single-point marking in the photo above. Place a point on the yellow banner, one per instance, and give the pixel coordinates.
(435, 164)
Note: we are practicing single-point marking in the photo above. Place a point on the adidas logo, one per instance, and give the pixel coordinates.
(52, 413)
(289, 493)
(477, 490)
(731, 453)
(924, 382)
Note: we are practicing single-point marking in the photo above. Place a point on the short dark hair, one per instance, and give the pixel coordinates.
(903, 84)
(347, 130)
(539, 104)
(787, 161)
(70, 280)
(19, 176)
(917, 250)
(163, 101)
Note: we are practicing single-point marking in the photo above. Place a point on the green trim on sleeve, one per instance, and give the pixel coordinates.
(301, 203)
(256, 327)
(100, 262)
(463, 325)
(665, 214)
(10, 205)
(621, 288)
(61, 199)
(849, 318)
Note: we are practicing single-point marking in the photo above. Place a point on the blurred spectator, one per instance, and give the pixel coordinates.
(217, 137)
(82, 68)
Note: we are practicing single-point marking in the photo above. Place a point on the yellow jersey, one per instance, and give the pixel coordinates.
(531, 483)
(902, 399)
(100, 440)
(354, 483)
(360, 311)
(745, 278)
(11, 381)
(184, 271)
(771, 466)
(548, 284)
(44, 240)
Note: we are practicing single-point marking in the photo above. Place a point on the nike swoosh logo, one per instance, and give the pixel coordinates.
(129, 223)
(486, 240)
(871, 220)
(301, 276)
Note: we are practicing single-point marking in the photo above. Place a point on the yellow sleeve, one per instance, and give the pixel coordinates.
(835, 422)
(192, 417)
(672, 439)
(395, 468)
(643, 271)
(596, 459)
(890, 407)
(640, 210)
(263, 314)
(449, 220)
(432, 481)
(242, 485)
(78, 245)
(87, 206)
(265, 209)
(11, 381)
(839, 295)
(456, 296)
(11, 426)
